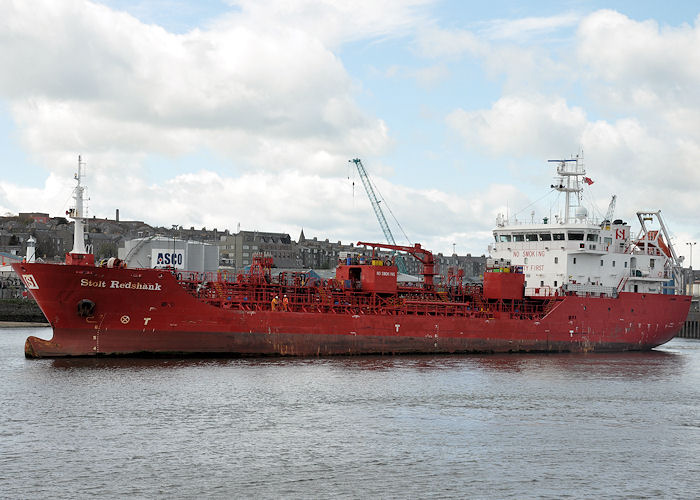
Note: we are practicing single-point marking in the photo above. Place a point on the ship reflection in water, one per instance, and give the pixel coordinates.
(549, 425)
(633, 365)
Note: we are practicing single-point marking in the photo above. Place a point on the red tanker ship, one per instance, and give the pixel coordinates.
(521, 306)
(119, 311)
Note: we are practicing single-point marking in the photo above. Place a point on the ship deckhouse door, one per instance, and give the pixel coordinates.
(355, 277)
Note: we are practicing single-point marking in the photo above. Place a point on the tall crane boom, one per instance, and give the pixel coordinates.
(611, 209)
(378, 210)
(374, 200)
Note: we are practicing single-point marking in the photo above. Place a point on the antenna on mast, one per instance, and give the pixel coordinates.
(570, 173)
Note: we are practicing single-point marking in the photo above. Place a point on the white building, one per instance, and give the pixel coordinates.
(161, 251)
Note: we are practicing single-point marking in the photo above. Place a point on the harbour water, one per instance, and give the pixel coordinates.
(503, 426)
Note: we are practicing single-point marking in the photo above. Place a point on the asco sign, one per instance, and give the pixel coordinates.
(168, 258)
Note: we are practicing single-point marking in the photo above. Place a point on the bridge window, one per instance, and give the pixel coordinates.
(545, 237)
(575, 236)
(531, 237)
(518, 237)
(558, 236)
(591, 237)
(505, 238)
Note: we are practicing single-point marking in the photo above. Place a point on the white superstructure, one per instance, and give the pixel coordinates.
(575, 252)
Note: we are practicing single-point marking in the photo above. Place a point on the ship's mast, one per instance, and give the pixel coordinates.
(77, 213)
(568, 182)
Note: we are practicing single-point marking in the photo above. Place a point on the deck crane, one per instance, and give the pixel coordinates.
(423, 256)
(378, 210)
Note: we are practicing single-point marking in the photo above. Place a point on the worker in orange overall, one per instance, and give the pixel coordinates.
(275, 303)
(285, 303)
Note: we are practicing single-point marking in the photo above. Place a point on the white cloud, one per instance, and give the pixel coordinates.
(526, 68)
(526, 28)
(643, 69)
(336, 21)
(620, 50)
(284, 201)
(487, 38)
(260, 87)
(265, 93)
(639, 127)
(535, 126)
(628, 155)
(646, 78)
(264, 89)
(102, 80)
(53, 197)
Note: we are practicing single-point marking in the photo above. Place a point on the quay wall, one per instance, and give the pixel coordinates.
(21, 310)
(691, 328)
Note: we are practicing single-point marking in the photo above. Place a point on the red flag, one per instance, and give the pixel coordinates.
(588, 180)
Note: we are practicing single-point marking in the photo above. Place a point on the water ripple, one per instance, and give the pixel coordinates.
(516, 426)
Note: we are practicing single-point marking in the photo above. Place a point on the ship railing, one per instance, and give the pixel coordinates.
(331, 297)
(512, 310)
(588, 221)
(635, 250)
(542, 291)
(200, 277)
(590, 290)
(650, 273)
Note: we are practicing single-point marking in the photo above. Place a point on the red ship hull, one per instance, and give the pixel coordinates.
(147, 311)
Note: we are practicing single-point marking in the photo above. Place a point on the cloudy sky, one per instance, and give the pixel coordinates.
(224, 112)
